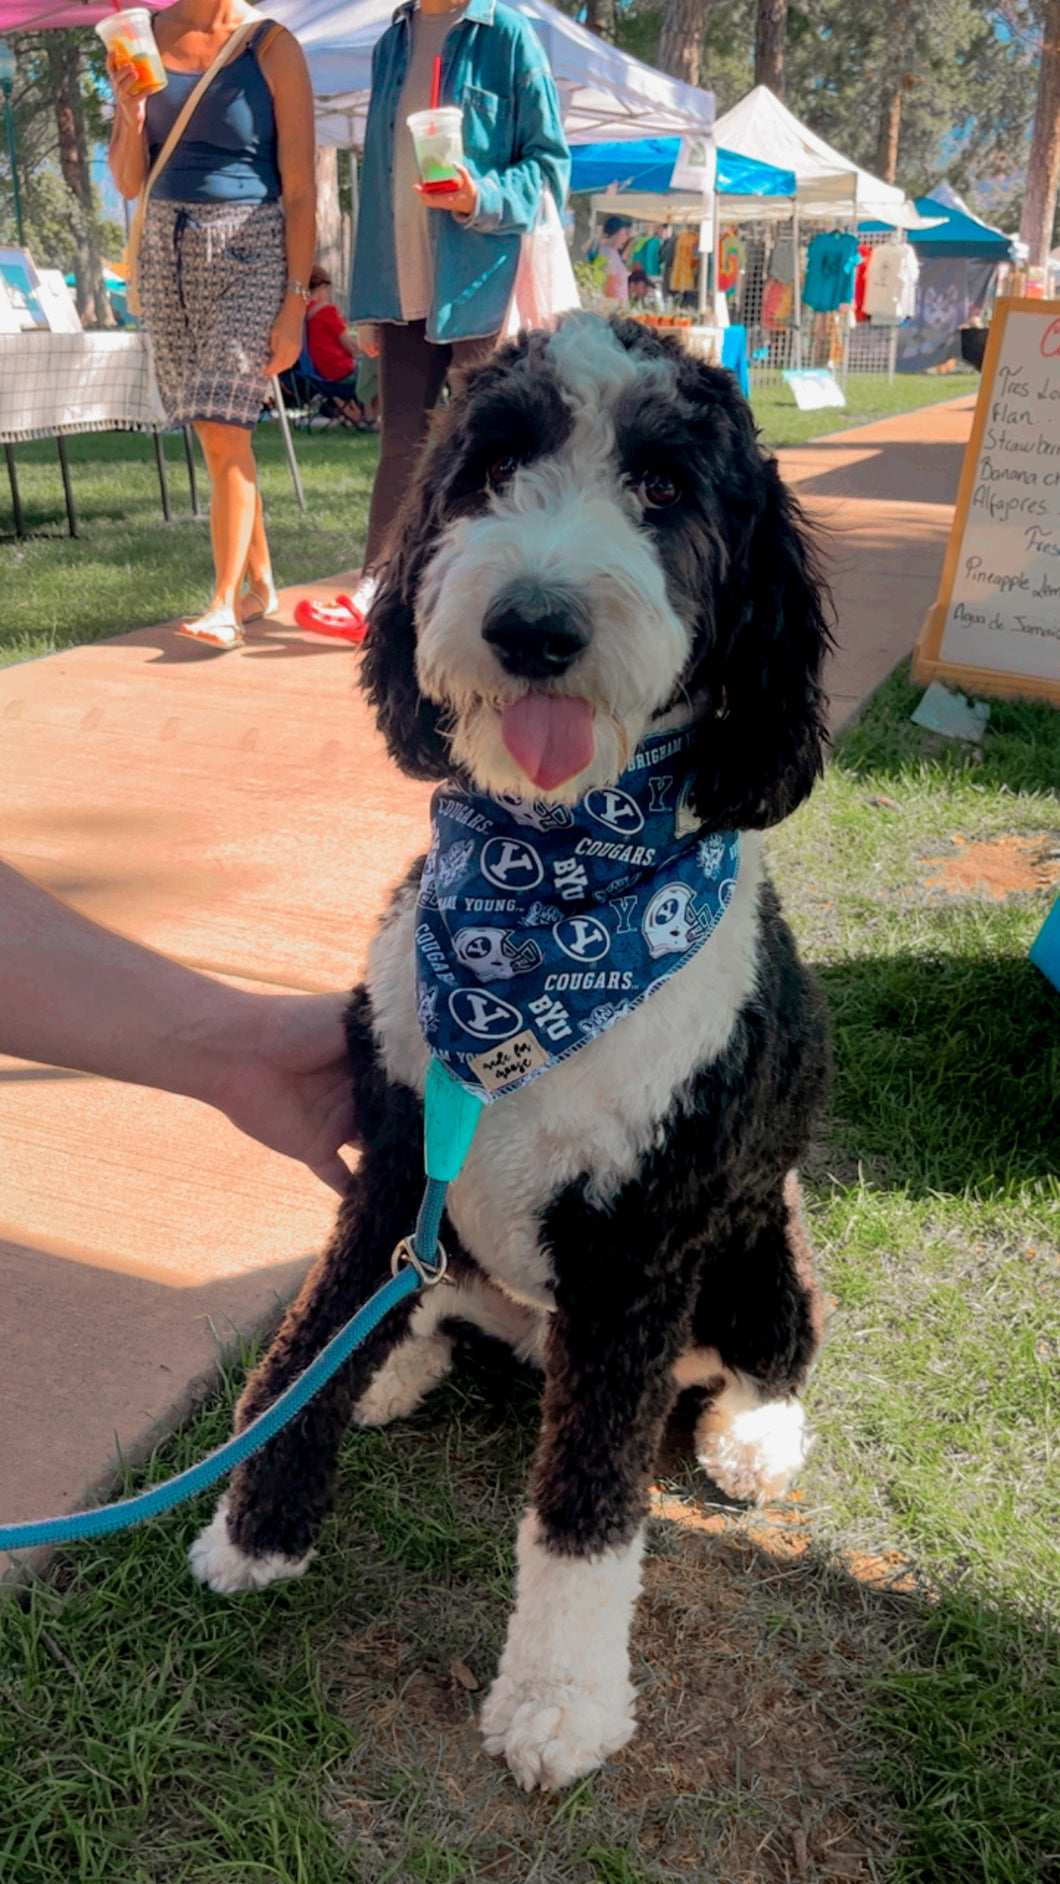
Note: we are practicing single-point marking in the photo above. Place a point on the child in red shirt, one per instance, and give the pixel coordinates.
(333, 354)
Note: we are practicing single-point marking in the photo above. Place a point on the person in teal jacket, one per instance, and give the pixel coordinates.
(433, 275)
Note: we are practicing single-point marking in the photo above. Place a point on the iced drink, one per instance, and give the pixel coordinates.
(130, 41)
(438, 140)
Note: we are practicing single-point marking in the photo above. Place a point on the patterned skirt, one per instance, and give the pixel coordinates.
(212, 279)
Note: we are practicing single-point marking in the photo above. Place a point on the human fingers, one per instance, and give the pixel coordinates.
(335, 1173)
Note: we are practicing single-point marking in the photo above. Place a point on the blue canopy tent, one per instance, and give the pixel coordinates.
(956, 232)
(957, 257)
(646, 164)
(642, 169)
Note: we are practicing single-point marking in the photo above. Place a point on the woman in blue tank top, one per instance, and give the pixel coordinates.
(224, 263)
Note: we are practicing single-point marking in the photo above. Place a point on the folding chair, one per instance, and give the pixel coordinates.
(311, 395)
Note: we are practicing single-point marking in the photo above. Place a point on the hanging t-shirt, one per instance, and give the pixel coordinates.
(830, 269)
(683, 267)
(731, 257)
(891, 283)
(782, 259)
(860, 278)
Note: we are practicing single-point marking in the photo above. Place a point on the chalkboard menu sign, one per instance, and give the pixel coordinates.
(995, 627)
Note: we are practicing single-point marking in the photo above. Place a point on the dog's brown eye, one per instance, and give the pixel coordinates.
(501, 470)
(658, 490)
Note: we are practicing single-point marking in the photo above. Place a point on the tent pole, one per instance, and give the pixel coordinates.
(796, 284)
(707, 238)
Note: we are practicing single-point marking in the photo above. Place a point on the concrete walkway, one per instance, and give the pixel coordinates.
(239, 812)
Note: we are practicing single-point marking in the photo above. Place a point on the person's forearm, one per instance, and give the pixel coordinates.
(299, 212)
(77, 995)
(127, 157)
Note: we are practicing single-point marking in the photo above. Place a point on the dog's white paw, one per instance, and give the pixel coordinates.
(552, 1732)
(752, 1451)
(563, 1699)
(406, 1376)
(223, 1567)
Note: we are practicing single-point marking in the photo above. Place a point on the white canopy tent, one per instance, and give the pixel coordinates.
(828, 186)
(605, 94)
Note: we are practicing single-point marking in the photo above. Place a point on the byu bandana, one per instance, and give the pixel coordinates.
(539, 926)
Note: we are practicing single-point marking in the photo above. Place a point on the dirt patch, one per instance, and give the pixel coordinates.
(995, 867)
(750, 1657)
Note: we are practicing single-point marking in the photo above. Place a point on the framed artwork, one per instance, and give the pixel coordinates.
(9, 322)
(58, 303)
(22, 288)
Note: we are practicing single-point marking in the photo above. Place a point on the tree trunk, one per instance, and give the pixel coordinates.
(64, 64)
(329, 221)
(600, 19)
(1043, 168)
(684, 24)
(886, 161)
(771, 32)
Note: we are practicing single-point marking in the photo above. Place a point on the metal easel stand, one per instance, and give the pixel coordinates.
(288, 443)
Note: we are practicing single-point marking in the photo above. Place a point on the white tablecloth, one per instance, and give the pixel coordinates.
(51, 383)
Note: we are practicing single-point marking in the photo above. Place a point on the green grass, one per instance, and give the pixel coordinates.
(129, 568)
(868, 396)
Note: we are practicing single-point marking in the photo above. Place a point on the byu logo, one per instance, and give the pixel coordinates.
(495, 954)
(583, 938)
(617, 810)
(671, 924)
(509, 864)
(535, 812)
(484, 1015)
(624, 907)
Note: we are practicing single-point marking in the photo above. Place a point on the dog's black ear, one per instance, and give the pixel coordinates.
(408, 721)
(761, 743)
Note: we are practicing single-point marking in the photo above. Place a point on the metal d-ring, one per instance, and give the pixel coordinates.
(429, 1273)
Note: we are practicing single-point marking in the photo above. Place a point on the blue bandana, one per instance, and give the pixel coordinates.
(539, 926)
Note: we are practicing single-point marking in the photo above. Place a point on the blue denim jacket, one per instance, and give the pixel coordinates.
(494, 66)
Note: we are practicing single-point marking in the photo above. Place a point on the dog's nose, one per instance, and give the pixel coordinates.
(535, 636)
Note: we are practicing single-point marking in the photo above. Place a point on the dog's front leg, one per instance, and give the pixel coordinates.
(563, 1698)
(267, 1523)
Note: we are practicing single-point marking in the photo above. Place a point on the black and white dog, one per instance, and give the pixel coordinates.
(596, 531)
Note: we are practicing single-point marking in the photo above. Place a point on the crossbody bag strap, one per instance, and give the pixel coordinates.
(228, 51)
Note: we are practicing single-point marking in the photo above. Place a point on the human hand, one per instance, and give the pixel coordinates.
(368, 339)
(285, 339)
(284, 1078)
(132, 110)
(463, 202)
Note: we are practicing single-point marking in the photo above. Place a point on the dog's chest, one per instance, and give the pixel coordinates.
(597, 1113)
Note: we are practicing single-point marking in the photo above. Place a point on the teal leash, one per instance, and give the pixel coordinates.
(451, 1113)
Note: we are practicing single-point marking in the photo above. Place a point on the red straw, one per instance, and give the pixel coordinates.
(436, 83)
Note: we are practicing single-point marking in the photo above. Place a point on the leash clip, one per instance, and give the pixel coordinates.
(429, 1273)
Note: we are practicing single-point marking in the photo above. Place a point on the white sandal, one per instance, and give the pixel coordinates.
(218, 628)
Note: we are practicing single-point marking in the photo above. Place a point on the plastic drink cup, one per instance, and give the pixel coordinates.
(130, 41)
(438, 140)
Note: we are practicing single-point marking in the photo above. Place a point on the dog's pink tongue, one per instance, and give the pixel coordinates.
(550, 737)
